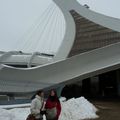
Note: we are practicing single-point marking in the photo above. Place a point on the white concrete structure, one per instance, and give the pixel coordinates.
(60, 69)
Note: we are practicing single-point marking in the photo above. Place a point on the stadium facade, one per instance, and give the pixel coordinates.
(90, 36)
(89, 53)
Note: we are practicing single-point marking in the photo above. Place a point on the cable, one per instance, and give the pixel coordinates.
(21, 43)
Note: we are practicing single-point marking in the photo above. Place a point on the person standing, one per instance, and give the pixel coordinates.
(37, 105)
(53, 106)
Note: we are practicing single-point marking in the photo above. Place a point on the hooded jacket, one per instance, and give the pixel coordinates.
(36, 106)
(51, 104)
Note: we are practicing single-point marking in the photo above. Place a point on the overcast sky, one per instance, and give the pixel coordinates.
(107, 7)
(16, 16)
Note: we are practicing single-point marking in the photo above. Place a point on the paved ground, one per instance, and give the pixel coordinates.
(108, 109)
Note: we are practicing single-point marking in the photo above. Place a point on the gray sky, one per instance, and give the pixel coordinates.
(107, 7)
(17, 17)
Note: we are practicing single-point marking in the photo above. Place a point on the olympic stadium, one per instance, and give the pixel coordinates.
(88, 53)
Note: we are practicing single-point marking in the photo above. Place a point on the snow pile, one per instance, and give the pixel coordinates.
(14, 114)
(62, 99)
(76, 109)
(6, 115)
(73, 109)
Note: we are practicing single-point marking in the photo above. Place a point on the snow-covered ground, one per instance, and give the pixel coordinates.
(73, 109)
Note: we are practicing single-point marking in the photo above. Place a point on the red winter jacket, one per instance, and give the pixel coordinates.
(51, 104)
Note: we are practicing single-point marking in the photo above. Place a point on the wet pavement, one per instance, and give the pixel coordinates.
(107, 109)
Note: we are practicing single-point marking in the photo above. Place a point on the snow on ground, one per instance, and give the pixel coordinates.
(73, 109)
(76, 109)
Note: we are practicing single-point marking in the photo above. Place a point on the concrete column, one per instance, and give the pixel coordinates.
(94, 85)
(59, 90)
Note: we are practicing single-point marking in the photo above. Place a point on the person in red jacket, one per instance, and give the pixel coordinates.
(53, 106)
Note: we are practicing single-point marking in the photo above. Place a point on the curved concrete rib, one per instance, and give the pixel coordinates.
(103, 20)
(7, 55)
(84, 65)
(69, 36)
